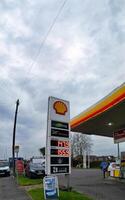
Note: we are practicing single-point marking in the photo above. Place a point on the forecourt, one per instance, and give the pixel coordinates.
(105, 117)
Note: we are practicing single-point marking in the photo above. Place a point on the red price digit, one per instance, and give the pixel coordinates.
(63, 152)
(67, 152)
(59, 152)
(66, 144)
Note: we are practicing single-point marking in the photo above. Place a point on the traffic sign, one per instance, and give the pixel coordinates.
(16, 148)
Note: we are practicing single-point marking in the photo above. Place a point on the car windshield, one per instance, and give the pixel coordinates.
(4, 164)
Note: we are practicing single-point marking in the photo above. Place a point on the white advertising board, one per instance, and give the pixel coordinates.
(51, 188)
(58, 150)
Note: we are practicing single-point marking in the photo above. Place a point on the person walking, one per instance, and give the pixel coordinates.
(104, 166)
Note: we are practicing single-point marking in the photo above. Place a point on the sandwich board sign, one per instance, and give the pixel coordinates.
(51, 188)
(58, 150)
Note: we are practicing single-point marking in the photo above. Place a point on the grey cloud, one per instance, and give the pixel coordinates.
(82, 60)
(5, 112)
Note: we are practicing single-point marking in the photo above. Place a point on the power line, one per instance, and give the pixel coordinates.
(39, 50)
(4, 86)
(46, 36)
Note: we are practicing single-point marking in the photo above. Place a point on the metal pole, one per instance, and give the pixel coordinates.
(118, 150)
(16, 154)
(68, 181)
(14, 134)
(88, 160)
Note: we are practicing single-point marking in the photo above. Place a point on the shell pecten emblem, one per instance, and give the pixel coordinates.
(60, 107)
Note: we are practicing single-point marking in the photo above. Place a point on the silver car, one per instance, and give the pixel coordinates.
(4, 168)
(35, 170)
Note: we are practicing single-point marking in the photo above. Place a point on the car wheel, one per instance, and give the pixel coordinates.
(30, 175)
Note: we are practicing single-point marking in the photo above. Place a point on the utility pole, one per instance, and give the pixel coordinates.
(14, 134)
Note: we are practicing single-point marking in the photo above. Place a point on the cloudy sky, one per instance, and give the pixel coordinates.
(70, 49)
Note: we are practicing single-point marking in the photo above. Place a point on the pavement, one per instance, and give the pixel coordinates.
(87, 181)
(91, 183)
(9, 190)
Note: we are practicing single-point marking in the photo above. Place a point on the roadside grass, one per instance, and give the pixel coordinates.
(38, 194)
(24, 181)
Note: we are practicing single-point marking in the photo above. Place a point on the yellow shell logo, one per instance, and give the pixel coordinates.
(60, 107)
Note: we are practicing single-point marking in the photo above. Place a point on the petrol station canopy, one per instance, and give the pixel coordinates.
(103, 118)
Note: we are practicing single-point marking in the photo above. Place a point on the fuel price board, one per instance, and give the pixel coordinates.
(58, 156)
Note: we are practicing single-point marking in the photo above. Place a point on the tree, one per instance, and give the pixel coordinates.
(81, 145)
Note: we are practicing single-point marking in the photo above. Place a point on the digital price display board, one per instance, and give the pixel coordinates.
(59, 160)
(59, 133)
(59, 125)
(59, 169)
(60, 152)
(60, 143)
(58, 149)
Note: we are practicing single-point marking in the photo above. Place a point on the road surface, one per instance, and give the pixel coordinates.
(91, 182)
(10, 191)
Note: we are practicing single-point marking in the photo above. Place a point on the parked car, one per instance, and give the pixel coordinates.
(4, 168)
(34, 170)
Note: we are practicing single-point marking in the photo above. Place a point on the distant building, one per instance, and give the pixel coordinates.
(94, 158)
(102, 158)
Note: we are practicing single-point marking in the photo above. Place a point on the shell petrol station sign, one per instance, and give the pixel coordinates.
(58, 159)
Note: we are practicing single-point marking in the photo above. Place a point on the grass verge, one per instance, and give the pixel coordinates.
(38, 194)
(24, 181)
